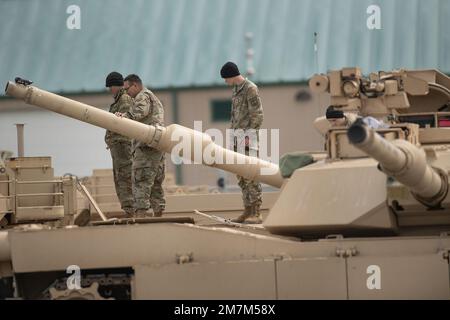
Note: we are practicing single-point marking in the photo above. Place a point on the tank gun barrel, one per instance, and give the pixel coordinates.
(405, 162)
(160, 138)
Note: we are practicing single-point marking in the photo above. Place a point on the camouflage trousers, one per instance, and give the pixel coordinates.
(122, 162)
(148, 176)
(251, 192)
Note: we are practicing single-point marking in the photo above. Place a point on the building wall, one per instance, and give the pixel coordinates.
(79, 148)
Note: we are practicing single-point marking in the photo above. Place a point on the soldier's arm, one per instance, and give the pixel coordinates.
(125, 104)
(322, 125)
(140, 108)
(255, 108)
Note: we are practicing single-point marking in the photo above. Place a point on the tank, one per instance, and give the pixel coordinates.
(368, 219)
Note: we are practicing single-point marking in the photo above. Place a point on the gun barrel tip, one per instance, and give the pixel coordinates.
(6, 87)
(357, 133)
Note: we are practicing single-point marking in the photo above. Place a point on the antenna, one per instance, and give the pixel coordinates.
(249, 54)
(316, 53)
(316, 63)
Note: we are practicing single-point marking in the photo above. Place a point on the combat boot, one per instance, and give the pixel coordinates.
(3, 222)
(141, 213)
(245, 215)
(158, 213)
(256, 217)
(129, 212)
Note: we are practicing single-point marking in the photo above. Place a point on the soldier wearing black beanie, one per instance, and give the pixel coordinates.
(229, 70)
(120, 146)
(246, 115)
(114, 79)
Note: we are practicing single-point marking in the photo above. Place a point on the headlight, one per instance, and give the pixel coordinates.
(351, 88)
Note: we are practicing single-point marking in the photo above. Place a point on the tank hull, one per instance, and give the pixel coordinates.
(223, 263)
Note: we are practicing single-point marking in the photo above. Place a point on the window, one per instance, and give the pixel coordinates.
(423, 121)
(221, 110)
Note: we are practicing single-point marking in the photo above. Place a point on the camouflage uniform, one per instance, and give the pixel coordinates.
(247, 113)
(148, 163)
(120, 148)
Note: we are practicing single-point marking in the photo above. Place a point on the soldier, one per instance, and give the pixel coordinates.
(246, 114)
(120, 146)
(148, 163)
(337, 118)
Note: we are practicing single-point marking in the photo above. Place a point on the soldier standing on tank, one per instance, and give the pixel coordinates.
(247, 115)
(148, 162)
(120, 146)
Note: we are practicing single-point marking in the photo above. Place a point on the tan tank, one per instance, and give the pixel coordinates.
(377, 227)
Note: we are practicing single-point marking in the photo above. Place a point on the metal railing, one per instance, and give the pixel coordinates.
(14, 197)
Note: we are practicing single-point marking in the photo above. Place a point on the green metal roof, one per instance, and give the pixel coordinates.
(183, 43)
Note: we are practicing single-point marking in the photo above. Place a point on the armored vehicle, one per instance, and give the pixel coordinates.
(368, 219)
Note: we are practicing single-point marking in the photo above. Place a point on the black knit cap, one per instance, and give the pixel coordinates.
(332, 113)
(114, 79)
(229, 70)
